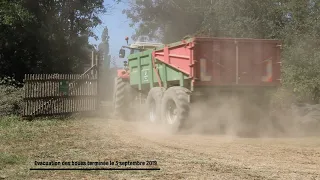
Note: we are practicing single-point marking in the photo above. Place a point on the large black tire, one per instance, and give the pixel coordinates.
(175, 108)
(121, 98)
(154, 104)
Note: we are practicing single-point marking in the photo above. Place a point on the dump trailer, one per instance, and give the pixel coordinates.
(169, 78)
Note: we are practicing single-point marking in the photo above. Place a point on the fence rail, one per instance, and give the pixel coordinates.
(58, 94)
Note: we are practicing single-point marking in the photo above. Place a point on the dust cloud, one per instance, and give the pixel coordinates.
(227, 115)
(238, 117)
(232, 117)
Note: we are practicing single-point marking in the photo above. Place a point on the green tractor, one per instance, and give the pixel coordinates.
(125, 96)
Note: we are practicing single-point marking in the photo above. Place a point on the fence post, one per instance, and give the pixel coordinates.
(92, 60)
(97, 81)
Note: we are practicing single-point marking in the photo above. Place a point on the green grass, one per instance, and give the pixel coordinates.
(10, 159)
(23, 142)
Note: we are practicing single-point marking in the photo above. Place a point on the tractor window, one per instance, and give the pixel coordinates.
(132, 51)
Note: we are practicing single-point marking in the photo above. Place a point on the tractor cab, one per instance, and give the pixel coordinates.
(143, 43)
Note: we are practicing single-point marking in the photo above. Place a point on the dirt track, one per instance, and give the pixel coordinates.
(207, 156)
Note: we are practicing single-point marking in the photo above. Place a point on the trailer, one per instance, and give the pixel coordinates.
(169, 78)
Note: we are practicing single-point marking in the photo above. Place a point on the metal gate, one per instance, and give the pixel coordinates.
(60, 94)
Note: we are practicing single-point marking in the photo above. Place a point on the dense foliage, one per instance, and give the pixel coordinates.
(10, 97)
(104, 48)
(292, 21)
(46, 36)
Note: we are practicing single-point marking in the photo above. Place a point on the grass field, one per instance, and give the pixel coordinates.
(179, 157)
(25, 142)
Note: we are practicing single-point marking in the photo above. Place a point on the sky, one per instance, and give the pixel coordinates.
(118, 26)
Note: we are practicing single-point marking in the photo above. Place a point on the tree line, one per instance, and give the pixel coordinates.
(47, 36)
(295, 22)
(51, 36)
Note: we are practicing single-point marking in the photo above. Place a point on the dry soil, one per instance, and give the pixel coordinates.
(196, 156)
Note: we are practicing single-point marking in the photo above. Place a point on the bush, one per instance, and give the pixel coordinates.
(282, 99)
(301, 68)
(11, 97)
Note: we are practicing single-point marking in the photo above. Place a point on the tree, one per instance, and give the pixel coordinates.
(46, 36)
(104, 48)
(105, 73)
(178, 18)
(163, 20)
(292, 21)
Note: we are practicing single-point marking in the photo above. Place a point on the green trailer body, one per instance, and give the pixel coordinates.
(143, 76)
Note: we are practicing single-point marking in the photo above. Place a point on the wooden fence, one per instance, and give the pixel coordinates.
(60, 94)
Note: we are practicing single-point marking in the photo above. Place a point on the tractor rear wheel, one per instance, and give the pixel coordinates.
(121, 98)
(154, 104)
(175, 107)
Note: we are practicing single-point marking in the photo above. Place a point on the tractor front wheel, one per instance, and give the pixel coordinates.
(121, 98)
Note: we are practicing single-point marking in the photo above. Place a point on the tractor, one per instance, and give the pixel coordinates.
(169, 78)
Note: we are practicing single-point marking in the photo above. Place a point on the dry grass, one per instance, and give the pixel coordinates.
(179, 156)
(24, 142)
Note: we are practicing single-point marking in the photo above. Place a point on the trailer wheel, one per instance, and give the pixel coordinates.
(121, 97)
(175, 107)
(154, 104)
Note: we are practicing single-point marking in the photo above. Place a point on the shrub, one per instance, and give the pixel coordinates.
(301, 64)
(11, 97)
(282, 99)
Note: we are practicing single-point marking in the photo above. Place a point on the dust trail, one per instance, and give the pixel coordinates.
(203, 156)
(239, 117)
(232, 116)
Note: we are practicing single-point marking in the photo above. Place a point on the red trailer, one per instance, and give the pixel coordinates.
(225, 61)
